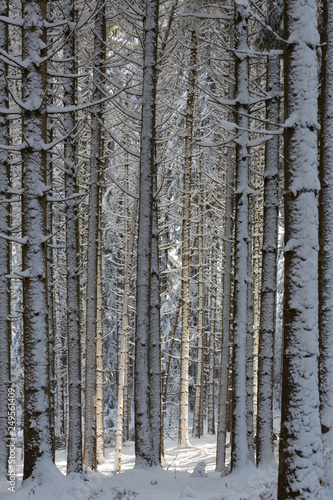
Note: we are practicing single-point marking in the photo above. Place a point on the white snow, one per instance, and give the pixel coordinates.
(175, 481)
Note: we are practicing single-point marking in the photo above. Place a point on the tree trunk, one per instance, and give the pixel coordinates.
(74, 455)
(300, 439)
(186, 249)
(37, 429)
(249, 348)
(211, 344)
(144, 443)
(265, 450)
(227, 291)
(201, 318)
(96, 162)
(326, 244)
(124, 340)
(240, 454)
(154, 339)
(99, 404)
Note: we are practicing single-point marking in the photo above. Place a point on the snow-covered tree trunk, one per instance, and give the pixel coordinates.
(265, 450)
(201, 317)
(239, 452)
(326, 244)
(144, 445)
(58, 350)
(249, 347)
(96, 162)
(325, 252)
(74, 455)
(124, 339)
(5, 327)
(154, 339)
(99, 404)
(127, 393)
(131, 220)
(211, 345)
(186, 248)
(300, 440)
(227, 289)
(37, 431)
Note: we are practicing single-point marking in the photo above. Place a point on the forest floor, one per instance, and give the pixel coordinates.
(175, 481)
(172, 482)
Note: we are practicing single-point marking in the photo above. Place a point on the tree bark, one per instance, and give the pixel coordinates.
(227, 293)
(265, 449)
(124, 339)
(96, 163)
(144, 443)
(183, 441)
(300, 439)
(239, 452)
(211, 344)
(201, 318)
(74, 455)
(37, 428)
(325, 244)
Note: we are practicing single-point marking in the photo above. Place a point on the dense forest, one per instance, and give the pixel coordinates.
(166, 236)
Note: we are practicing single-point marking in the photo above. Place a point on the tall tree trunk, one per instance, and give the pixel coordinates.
(99, 404)
(240, 454)
(186, 248)
(300, 439)
(227, 291)
(154, 339)
(201, 317)
(58, 347)
(74, 455)
(326, 244)
(211, 344)
(37, 429)
(96, 162)
(124, 338)
(265, 450)
(5, 325)
(249, 347)
(144, 442)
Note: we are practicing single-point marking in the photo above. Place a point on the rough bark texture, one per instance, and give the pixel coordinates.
(37, 429)
(186, 249)
(211, 345)
(240, 456)
(300, 439)
(265, 451)
(74, 456)
(326, 243)
(249, 344)
(144, 446)
(201, 320)
(99, 401)
(124, 340)
(96, 161)
(154, 339)
(227, 291)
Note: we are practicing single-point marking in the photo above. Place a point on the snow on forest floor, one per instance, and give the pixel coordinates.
(173, 482)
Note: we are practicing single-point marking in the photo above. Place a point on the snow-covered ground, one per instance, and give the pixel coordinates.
(175, 481)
